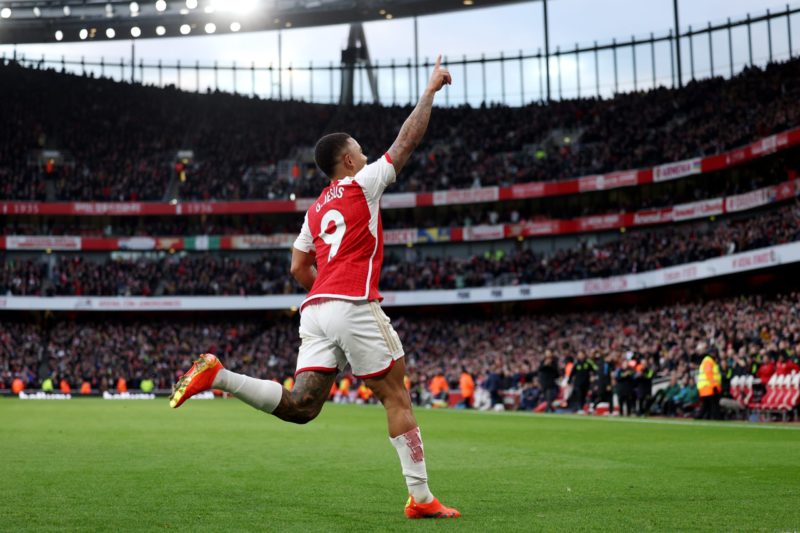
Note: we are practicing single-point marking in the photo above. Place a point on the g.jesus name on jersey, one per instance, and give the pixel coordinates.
(343, 228)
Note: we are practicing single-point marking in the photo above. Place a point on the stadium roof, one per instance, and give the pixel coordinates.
(42, 21)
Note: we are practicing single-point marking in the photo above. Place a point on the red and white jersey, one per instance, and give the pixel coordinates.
(343, 228)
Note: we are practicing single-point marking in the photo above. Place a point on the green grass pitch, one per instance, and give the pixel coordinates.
(93, 465)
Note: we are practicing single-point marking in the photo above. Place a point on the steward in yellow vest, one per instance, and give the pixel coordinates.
(709, 387)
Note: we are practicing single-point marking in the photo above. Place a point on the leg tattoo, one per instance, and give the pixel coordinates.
(304, 402)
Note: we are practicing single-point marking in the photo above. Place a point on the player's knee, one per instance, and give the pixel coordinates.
(305, 413)
(302, 417)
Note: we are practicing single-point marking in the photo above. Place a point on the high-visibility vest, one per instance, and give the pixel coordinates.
(64, 386)
(47, 385)
(288, 383)
(122, 385)
(364, 392)
(438, 385)
(17, 386)
(86, 388)
(709, 378)
(467, 385)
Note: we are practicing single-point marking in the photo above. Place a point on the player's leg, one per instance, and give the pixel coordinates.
(208, 373)
(369, 343)
(300, 405)
(316, 362)
(391, 391)
(304, 402)
(405, 435)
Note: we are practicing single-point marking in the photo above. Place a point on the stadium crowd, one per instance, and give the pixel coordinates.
(189, 275)
(536, 356)
(410, 269)
(760, 173)
(111, 153)
(772, 171)
(633, 252)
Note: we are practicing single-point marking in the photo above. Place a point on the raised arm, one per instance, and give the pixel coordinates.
(415, 125)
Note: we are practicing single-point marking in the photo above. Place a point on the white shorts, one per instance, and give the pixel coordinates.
(337, 332)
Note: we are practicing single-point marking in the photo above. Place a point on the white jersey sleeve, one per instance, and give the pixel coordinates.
(375, 177)
(305, 241)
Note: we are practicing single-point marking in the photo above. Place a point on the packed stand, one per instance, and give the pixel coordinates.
(268, 273)
(536, 357)
(633, 252)
(128, 152)
(758, 174)
(191, 275)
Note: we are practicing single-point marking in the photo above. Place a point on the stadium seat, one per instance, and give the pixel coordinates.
(788, 400)
(747, 391)
(735, 389)
(780, 393)
(769, 396)
(794, 392)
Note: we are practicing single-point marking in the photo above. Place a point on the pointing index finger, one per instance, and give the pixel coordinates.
(438, 62)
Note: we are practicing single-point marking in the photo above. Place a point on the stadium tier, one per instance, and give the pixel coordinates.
(762, 179)
(516, 355)
(409, 269)
(238, 148)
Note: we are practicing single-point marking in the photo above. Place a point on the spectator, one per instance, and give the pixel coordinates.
(548, 377)
(580, 378)
(709, 384)
(467, 387)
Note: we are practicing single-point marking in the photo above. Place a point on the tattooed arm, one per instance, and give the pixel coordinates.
(415, 125)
